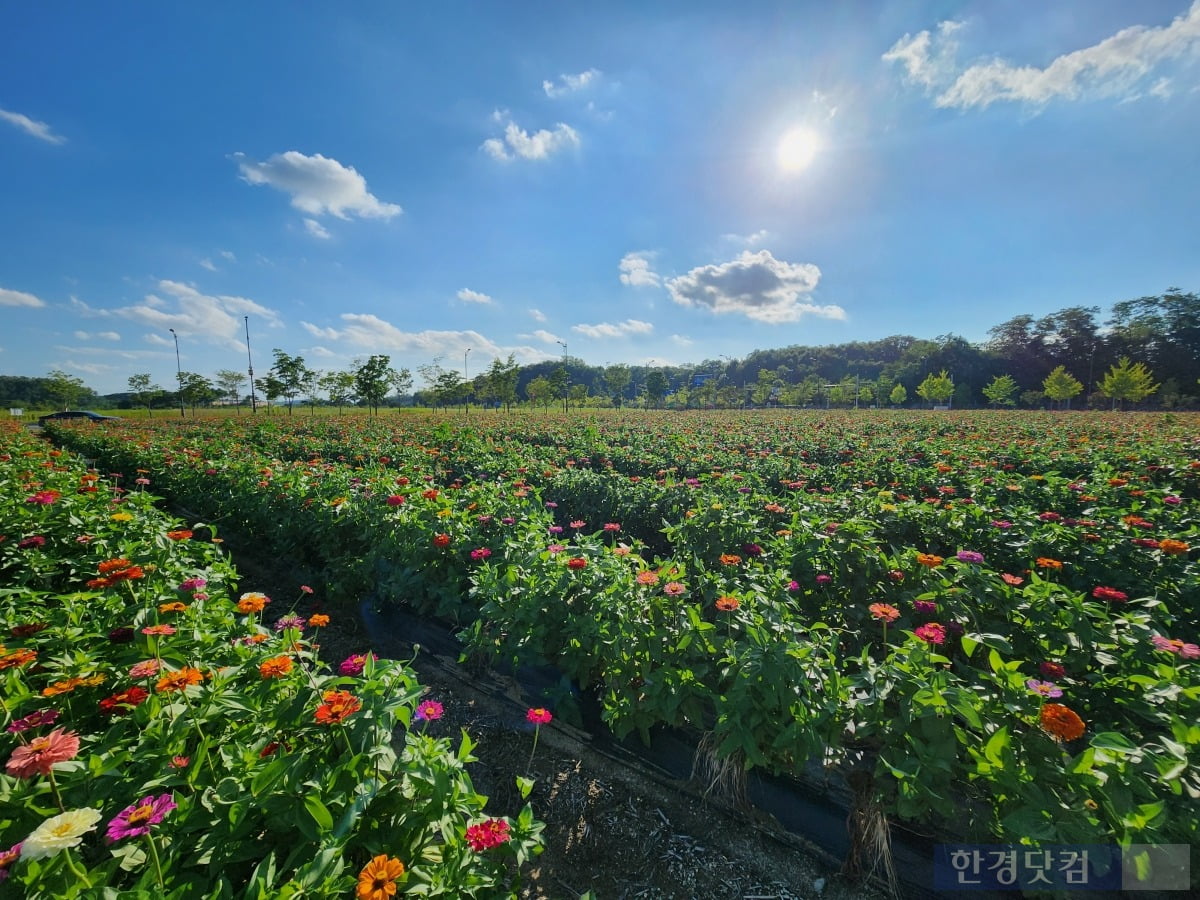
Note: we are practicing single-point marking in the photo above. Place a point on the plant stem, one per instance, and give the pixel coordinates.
(157, 861)
(75, 870)
(537, 729)
(54, 790)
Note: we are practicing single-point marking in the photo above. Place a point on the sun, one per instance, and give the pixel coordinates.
(797, 149)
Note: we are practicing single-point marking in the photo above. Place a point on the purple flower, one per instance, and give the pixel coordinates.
(136, 820)
(1044, 688)
(193, 584)
(752, 549)
(793, 586)
(292, 621)
(353, 665)
(1172, 499)
(823, 579)
(1001, 523)
(550, 504)
(35, 541)
(924, 606)
(555, 529)
(970, 556)
(33, 720)
(508, 520)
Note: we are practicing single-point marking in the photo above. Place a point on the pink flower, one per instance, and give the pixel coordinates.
(135, 820)
(1176, 646)
(43, 753)
(487, 834)
(1107, 593)
(395, 500)
(147, 669)
(480, 554)
(823, 579)
(35, 541)
(969, 556)
(1043, 688)
(674, 589)
(578, 523)
(353, 665)
(931, 633)
(539, 716)
(428, 711)
(611, 526)
(924, 606)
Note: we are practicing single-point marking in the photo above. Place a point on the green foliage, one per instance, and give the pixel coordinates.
(1060, 385)
(936, 388)
(1127, 381)
(1001, 390)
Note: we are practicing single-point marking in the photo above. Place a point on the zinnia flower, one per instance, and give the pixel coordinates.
(318, 620)
(1107, 593)
(577, 562)
(1044, 688)
(647, 577)
(674, 589)
(353, 665)
(135, 820)
(395, 500)
(1173, 548)
(147, 669)
(969, 556)
(611, 526)
(193, 584)
(931, 633)
(59, 833)
(33, 720)
(929, 560)
(1044, 562)
(275, 667)
(180, 534)
(172, 607)
(14, 659)
(34, 541)
(539, 716)
(338, 706)
(377, 880)
(730, 559)
(285, 622)
(884, 612)
(441, 540)
(179, 680)
(252, 602)
(429, 711)
(123, 702)
(1014, 580)
(1176, 646)
(1060, 722)
(480, 554)
(727, 603)
(487, 834)
(158, 629)
(1052, 670)
(43, 753)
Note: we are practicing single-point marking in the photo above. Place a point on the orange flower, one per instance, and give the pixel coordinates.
(252, 602)
(318, 620)
(730, 559)
(173, 606)
(338, 706)
(727, 603)
(1060, 722)
(885, 612)
(112, 565)
(929, 560)
(1044, 562)
(1172, 547)
(14, 659)
(179, 680)
(61, 687)
(377, 880)
(275, 667)
(180, 534)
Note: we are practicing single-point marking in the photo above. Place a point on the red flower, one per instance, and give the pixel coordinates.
(577, 562)
(441, 540)
(123, 702)
(487, 834)
(1052, 670)
(338, 706)
(539, 716)
(931, 633)
(1107, 593)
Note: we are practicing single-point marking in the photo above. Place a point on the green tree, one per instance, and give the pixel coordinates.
(1002, 391)
(502, 381)
(270, 387)
(539, 390)
(229, 383)
(898, 395)
(936, 389)
(656, 386)
(765, 386)
(1060, 385)
(338, 387)
(65, 390)
(196, 390)
(401, 382)
(372, 379)
(560, 383)
(292, 374)
(616, 380)
(1127, 381)
(144, 390)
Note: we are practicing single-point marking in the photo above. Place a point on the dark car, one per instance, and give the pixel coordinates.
(77, 414)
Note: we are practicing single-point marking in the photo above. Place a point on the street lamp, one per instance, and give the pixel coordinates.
(466, 395)
(178, 371)
(250, 361)
(567, 383)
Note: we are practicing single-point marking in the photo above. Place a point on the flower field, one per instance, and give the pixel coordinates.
(985, 623)
(167, 736)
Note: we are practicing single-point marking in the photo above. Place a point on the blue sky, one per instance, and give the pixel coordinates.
(644, 182)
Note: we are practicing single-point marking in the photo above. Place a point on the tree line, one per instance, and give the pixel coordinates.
(1146, 352)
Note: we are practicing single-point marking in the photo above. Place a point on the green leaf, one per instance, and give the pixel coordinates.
(1112, 740)
(319, 812)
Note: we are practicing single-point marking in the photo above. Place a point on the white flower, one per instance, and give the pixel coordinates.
(61, 832)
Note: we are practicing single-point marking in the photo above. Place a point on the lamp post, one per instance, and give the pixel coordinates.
(250, 362)
(466, 394)
(178, 371)
(567, 384)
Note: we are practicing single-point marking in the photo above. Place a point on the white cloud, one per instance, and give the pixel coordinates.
(319, 352)
(681, 341)
(635, 269)
(1112, 67)
(375, 335)
(609, 330)
(208, 264)
(920, 64)
(39, 130)
(466, 295)
(545, 336)
(568, 84)
(756, 285)
(1161, 88)
(19, 298)
(200, 317)
(316, 229)
(537, 315)
(747, 240)
(318, 185)
(101, 335)
(228, 254)
(519, 143)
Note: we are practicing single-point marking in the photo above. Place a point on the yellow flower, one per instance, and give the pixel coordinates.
(122, 517)
(443, 513)
(887, 507)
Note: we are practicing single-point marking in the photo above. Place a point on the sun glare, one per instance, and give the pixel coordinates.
(797, 149)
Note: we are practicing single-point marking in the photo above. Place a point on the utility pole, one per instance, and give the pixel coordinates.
(466, 393)
(250, 362)
(567, 383)
(178, 371)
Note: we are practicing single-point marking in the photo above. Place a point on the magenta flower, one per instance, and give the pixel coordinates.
(353, 665)
(33, 720)
(1001, 523)
(481, 553)
(793, 585)
(931, 633)
(135, 820)
(292, 621)
(539, 716)
(1044, 688)
(969, 556)
(35, 541)
(428, 711)
(924, 606)
(44, 498)
(192, 584)
(823, 579)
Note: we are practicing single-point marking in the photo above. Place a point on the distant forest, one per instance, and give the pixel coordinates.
(1019, 365)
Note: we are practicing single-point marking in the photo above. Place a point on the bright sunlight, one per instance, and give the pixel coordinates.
(798, 148)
